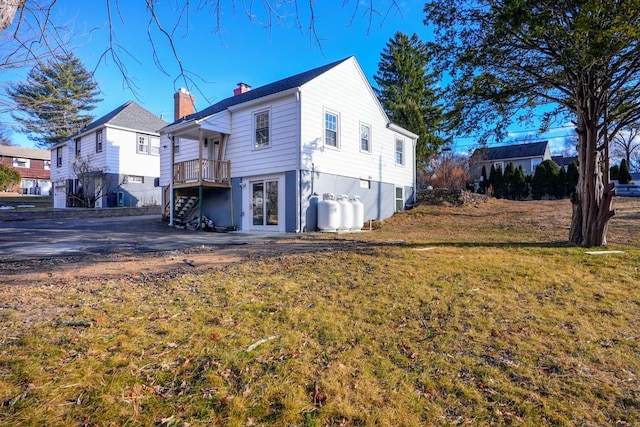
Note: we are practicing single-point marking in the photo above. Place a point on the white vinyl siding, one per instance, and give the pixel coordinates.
(346, 90)
(284, 138)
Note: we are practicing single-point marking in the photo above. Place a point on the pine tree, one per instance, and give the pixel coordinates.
(614, 173)
(509, 174)
(518, 184)
(52, 104)
(406, 90)
(625, 176)
(484, 183)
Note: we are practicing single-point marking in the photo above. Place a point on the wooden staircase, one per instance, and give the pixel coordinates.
(184, 208)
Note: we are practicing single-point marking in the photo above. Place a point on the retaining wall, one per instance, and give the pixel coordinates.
(77, 213)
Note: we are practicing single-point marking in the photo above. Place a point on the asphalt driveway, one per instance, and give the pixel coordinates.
(41, 239)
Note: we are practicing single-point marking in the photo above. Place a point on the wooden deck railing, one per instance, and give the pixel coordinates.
(202, 171)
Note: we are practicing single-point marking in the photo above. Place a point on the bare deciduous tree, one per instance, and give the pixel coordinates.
(626, 145)
(28, 31)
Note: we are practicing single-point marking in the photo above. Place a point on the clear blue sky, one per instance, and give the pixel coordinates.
(243, 51)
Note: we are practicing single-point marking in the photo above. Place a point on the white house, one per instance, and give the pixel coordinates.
(116, 157)
(253, 161)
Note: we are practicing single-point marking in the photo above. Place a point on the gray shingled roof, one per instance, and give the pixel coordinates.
(131, 116)
(23, 152)
(534, 149)
(269, 89)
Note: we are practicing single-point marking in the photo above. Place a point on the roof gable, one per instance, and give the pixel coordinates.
(262, 91)
(534, 149)
(131, 116)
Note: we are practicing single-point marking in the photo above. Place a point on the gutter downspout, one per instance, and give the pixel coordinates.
(172, 173)
(299, 166)
(200, 142)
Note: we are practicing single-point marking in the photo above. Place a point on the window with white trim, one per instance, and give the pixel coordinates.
(77, 142)
(399, 199)
(59, 157)
(365, 137)
(399, 151)
(99, 141)
(331, 134)
(261, 124)
(155, 146)
(47, 165)
(143, 144)
(534, 164)
(176, 144)
(21, 162)
(135, 179)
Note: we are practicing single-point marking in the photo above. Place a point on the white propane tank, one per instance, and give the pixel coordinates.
(346, 213)
(328, 213)
(358, 213)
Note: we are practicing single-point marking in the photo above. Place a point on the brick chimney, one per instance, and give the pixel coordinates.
(183, 104)
(242, 88)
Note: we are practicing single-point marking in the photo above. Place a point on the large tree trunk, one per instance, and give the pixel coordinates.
(591, 200)
(8, 9)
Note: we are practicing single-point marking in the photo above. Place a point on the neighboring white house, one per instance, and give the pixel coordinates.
(120, 152)
(253, 161)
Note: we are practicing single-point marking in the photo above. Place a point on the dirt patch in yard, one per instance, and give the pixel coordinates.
(548, 220)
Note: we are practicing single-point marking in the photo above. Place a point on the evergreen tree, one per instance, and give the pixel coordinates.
(509, 174)
(614, 173)
(625, 176)
(406, 90)
(560, 184)
(9, 177)
(484, 182)
(518, 184)
(572, 177)
(539, 182)
(52, 103)
(496, 180)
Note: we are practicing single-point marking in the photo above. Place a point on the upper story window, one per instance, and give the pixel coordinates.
(143, 144)
(77, 142)
(99, 141)
(47, 165)
(498, 165)
(331, 129)
(261, 121)
(20, 162)
(399, 151)
(534, 164)
(155, 145)
(135, 179)
(176, 144)
(59, 157)
(365, 137)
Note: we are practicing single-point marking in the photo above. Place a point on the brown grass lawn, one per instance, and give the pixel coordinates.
(473, 315)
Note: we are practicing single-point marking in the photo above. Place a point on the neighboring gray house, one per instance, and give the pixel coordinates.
(254, 160)
(122, 149)
(529, 156)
